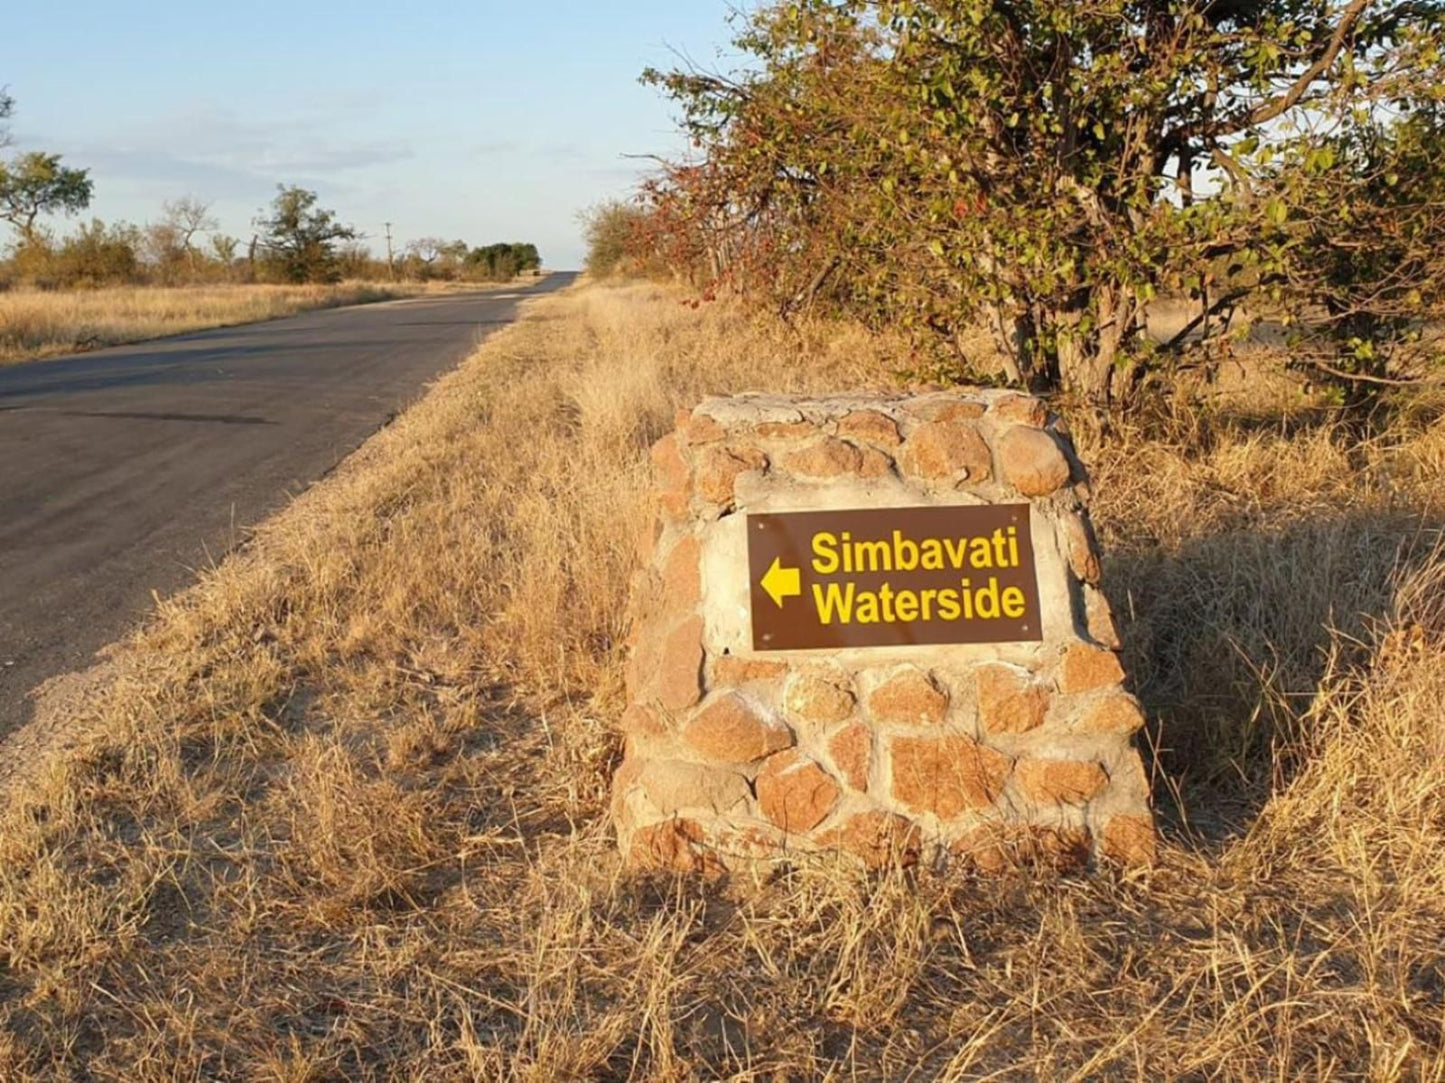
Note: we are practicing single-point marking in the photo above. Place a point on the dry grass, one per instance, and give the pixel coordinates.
(49, 323)
(344, 820)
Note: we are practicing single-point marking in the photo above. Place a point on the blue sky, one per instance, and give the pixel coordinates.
(485, 121)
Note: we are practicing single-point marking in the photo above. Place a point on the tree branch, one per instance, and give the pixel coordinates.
(1267, 111)
(1366, 378)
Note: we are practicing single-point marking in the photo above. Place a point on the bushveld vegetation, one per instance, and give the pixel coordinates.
(1045, 171)
(297, 241)
(341, 811)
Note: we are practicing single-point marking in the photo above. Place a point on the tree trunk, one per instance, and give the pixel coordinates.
(1092, 363)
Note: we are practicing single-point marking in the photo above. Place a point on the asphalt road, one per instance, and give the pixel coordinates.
(125, 470)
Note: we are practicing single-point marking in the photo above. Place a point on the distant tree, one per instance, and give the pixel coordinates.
(188, 216)
(301, 237)
(502, 261)
(35, 184)
(425, 251)
(224, 248)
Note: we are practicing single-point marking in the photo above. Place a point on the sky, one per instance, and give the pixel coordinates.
(485, 121)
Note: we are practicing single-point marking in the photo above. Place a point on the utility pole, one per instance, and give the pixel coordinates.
(390, 266)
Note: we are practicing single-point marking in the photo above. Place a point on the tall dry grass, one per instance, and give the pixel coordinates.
(341, 816)
(48, 323)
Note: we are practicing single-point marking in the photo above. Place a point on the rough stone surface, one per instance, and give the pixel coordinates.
(719, 468)
(674, 845)
(794, 792)
(681, 576)
(700, 429)
(870, 426)
(946, 775)
(874, 464)
(991, 755)
(784, 430)
(1086, 668)
(668, 465)
(852, 752)
(642, 721)
(679, 670)
(674, 785)
(944, 407)
(1009, 699)
(1100, 619)
(1117, 712)
(732, 670)
(1047, 782)
(825, 458)
(1022, 410)
(1130, 840)
(1079, 543)
(947, 451)
(994, 847)
(909, 698)
(816, 699)
(1032, 461)
(877, 837)
(729, 729)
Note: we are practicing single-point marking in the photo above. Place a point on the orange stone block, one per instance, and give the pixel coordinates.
(944, 450)
(1009, 701)
(730, 670)
(679, 670)
(825, 458)
(852, 752)
(701, 429)
(682, 576)
(1118, 713)
(668, 465)
(784, 430)
(1086, 668)
(870, 426)
(1022, 410)
(910, 698)
(794, 792)
(814, 699)
(1032, 461)
(1130, 840)
(731, 730)
(877, 838)
(1079, 545)
(674, 846)
(1050, 782)
(719, 469)
(1100, 618)
(946, 775)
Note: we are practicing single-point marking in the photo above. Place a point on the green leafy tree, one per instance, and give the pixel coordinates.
(37, 184)
(1040, 167)
(503, 261)
(301, 237)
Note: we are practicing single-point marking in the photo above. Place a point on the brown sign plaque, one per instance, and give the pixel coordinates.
(891, 577)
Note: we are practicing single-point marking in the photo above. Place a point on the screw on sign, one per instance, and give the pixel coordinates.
(892, 577)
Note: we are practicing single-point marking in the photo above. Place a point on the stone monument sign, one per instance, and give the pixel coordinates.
(873, 626)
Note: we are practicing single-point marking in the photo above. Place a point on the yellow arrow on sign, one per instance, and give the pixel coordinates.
(782, 582)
